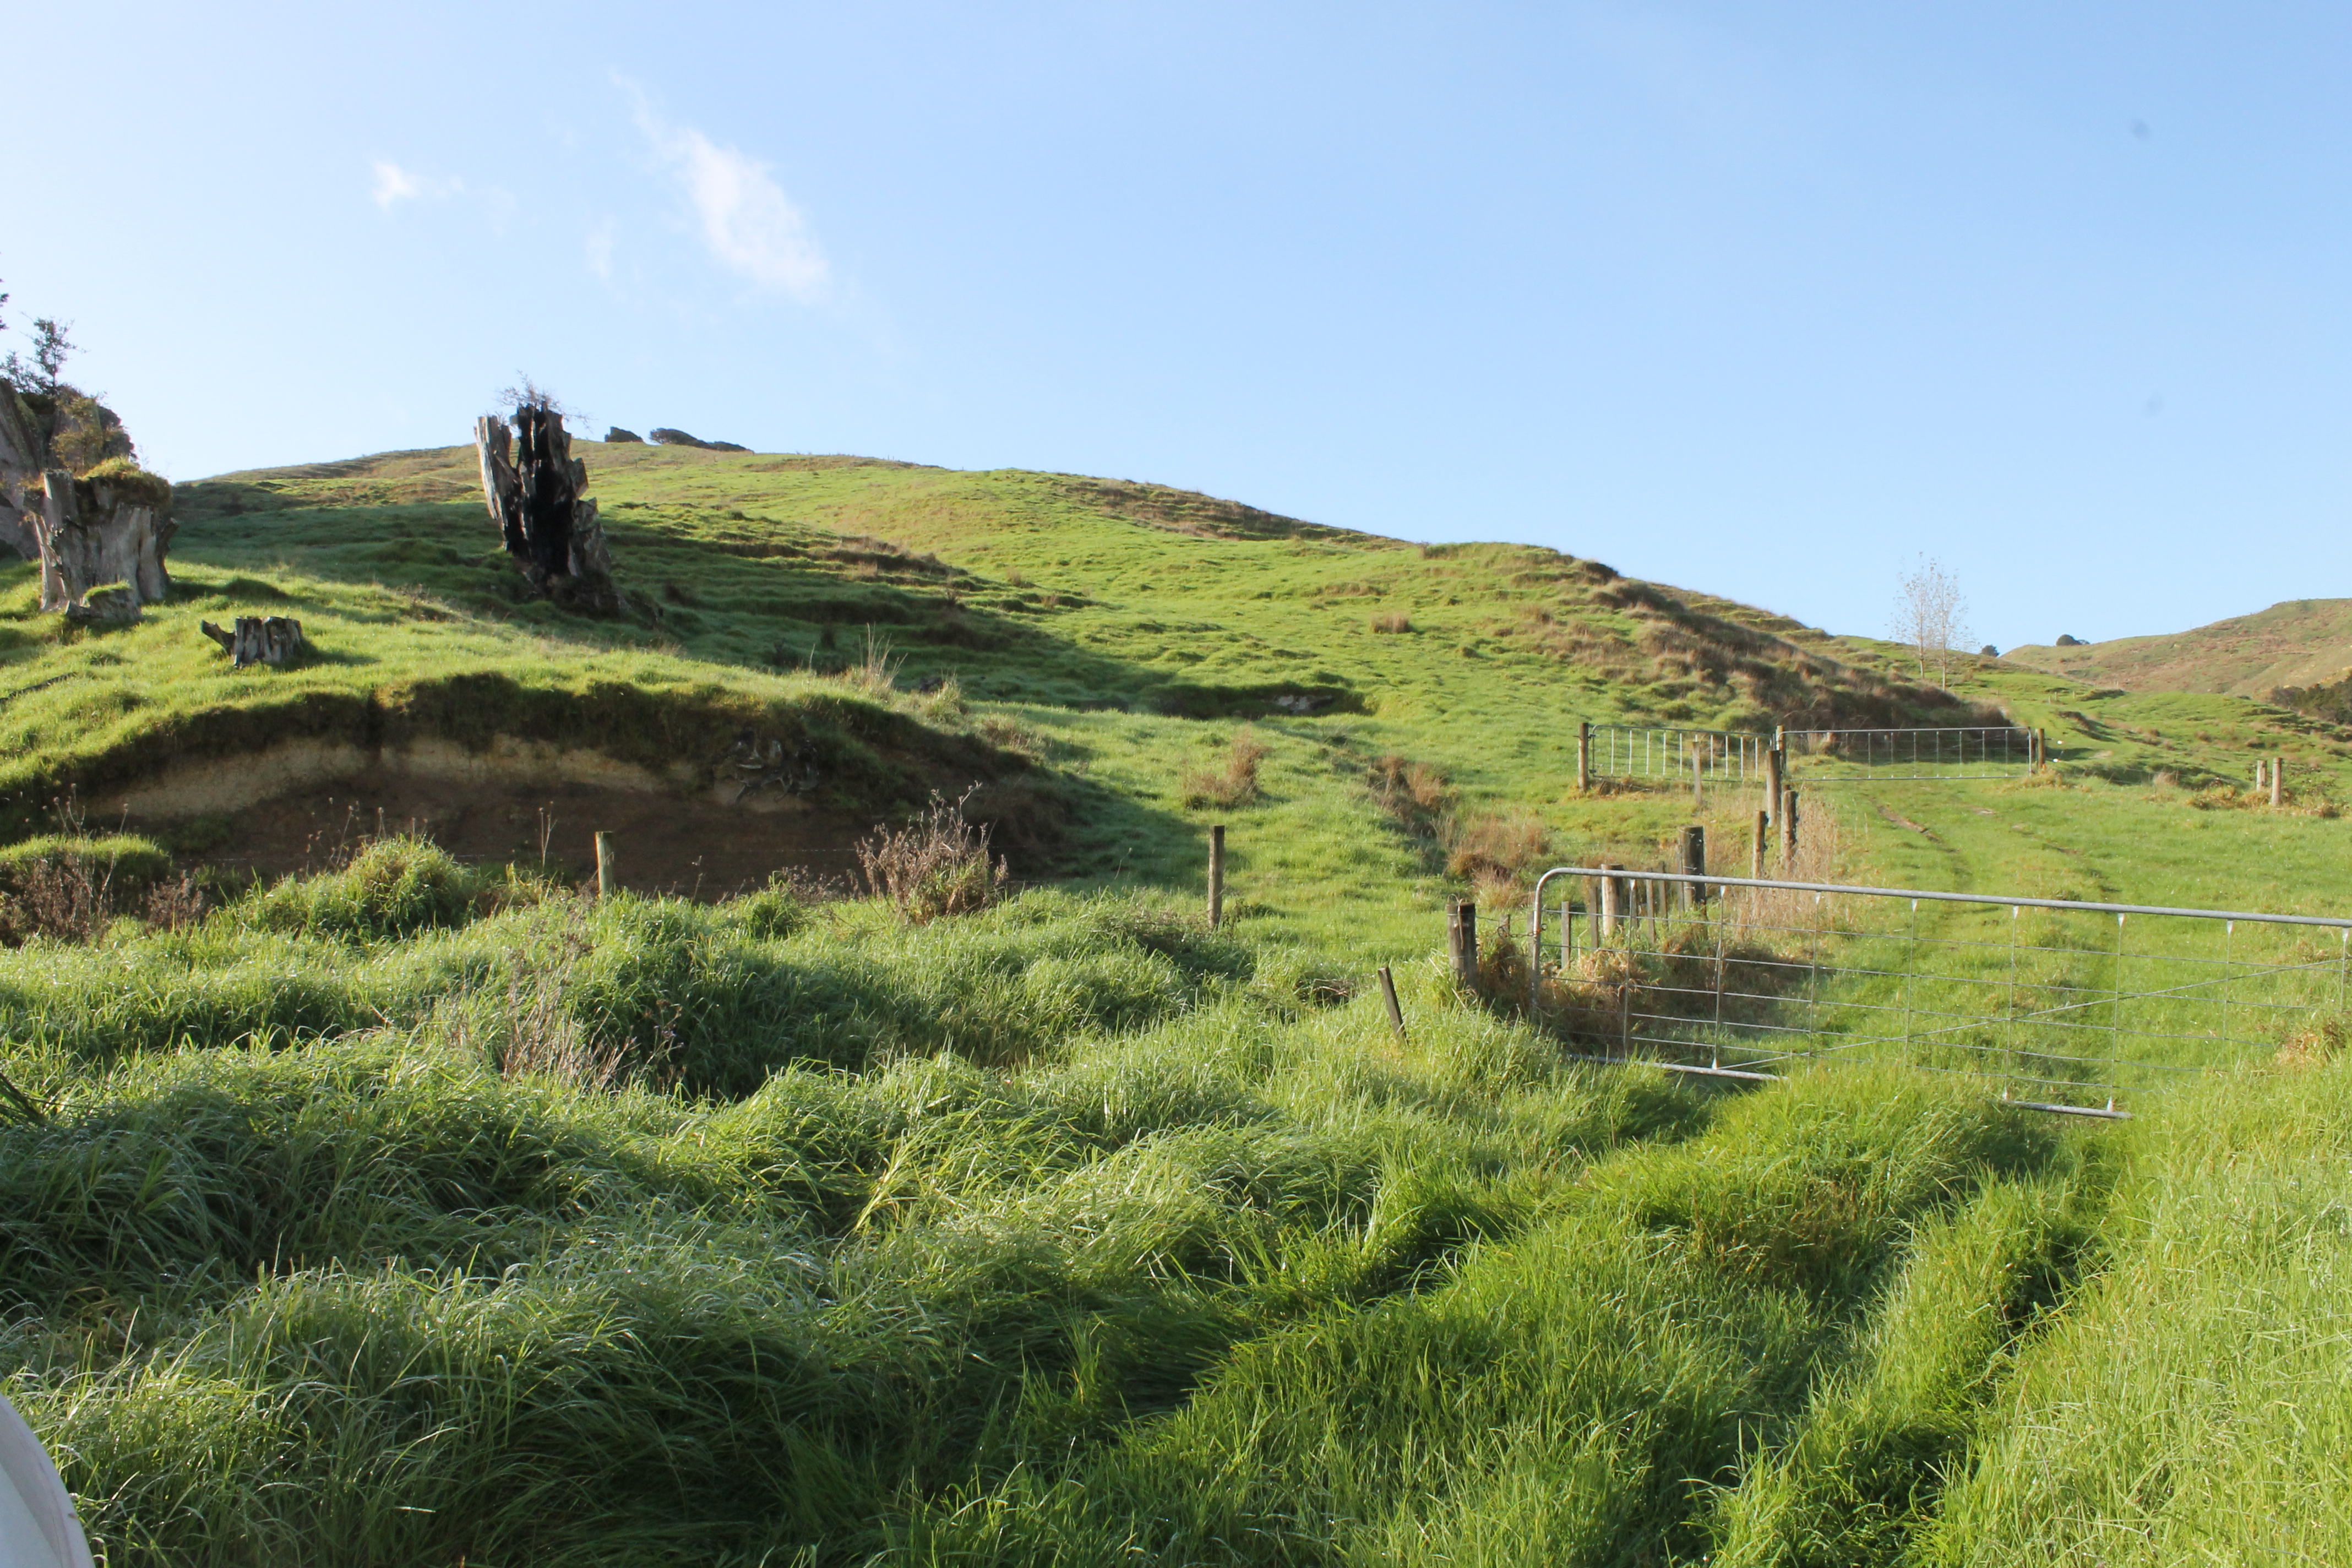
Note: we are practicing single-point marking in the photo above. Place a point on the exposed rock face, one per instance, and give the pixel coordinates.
(666, 437)
(531, 484)
(618, 434)
(114, 525)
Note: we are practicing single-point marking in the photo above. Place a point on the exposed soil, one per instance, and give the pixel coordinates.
(662, 843)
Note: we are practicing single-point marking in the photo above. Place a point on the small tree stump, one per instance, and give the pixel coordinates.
(259, 639)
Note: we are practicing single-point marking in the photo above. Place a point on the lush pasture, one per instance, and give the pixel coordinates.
(420, 1212)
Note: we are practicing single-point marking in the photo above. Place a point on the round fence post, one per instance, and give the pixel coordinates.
(1694, 864)
(1611, 894)
(608, 879)
(1583, 756)
(1756, 854)
(1462, 940)
(1787, 830)
(2278, 777)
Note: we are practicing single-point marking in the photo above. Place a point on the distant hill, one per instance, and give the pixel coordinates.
(2301, 642)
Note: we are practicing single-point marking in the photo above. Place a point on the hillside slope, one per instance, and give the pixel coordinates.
(421, 1211)
(2300, 642)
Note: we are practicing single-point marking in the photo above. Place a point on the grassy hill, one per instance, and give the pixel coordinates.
(2302, 642)
(415, 1209)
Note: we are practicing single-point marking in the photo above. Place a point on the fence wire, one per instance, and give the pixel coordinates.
(2064, 1005)
(1819, 756)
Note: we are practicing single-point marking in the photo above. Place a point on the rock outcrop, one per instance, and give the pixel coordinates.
(666, 437)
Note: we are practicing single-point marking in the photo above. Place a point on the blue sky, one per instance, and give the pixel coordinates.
(1766, 299)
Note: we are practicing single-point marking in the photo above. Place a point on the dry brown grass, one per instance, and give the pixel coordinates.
(1495, 851)
(1414, 794)
(935, 865)
(1235, 783)
(2314, 1046)
(1392, 625)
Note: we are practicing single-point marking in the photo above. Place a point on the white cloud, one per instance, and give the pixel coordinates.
(748, 222)
(394, 184)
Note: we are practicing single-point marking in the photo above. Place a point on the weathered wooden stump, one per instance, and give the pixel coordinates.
(114, 526)
(531, 484)
(259, 639)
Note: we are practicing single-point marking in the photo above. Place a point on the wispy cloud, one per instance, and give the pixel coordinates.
(750, 226)
(394, 184)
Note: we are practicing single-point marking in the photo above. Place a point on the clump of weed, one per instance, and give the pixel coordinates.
(1235, 783)
(175, 905)
(935, 865)
(69, 887)
(1392, 625)
(875, 673)
(67, 899)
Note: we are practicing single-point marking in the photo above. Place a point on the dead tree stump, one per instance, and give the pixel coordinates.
(259, 639)
(85, 532)
(531, 483)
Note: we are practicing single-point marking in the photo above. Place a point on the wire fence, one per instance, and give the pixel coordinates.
(2063, 1005)
(1713, 756)
(1819, 756)
(1864, 756)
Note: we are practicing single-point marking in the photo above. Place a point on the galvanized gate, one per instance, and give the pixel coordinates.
(2065, 1005)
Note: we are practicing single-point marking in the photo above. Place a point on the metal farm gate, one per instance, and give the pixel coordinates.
(2064, 1005)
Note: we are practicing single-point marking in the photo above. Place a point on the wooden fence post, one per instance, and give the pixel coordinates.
(1776, 762)
(1611, 891)
(2278, 775)
(1693, 858)
(1462, 940)
(1756, 856)
(608, 879)
(1583, 756)
(1389, 1000)
(1216, 876)
(1787, 830)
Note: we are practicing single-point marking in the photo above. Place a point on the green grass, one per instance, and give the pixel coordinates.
(425, 1212)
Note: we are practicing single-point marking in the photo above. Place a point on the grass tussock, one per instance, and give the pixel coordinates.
(1235, 783)
(1396, 623)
